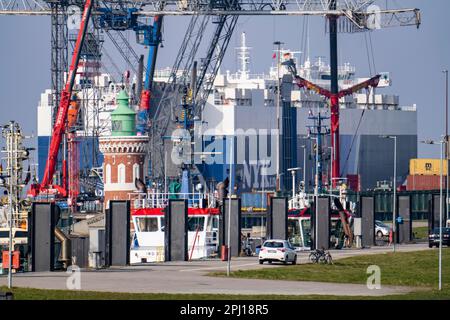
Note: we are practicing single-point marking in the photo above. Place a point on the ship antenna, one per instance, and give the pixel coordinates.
(243, 54)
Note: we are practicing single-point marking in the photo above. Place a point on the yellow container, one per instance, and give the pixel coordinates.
(428, 167)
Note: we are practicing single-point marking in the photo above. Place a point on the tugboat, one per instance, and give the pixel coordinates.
(147, 217)
(299, 221)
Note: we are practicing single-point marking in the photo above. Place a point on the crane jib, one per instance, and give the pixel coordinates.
(59, 127)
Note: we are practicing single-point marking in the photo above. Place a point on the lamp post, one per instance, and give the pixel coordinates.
(394, 202)
(440, 215)
(304, 166)
(443, 145)
(278, 44)
(229, 210)
(446, 141)
(316, 192)
(293, 171)
(10, 203)
(10, 132)
(316, 197)
(331, 171)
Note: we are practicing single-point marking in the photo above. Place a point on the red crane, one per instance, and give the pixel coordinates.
(59, 127)
(334, 103)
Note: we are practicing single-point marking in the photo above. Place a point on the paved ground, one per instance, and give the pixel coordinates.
(420, 223)
(190, 277)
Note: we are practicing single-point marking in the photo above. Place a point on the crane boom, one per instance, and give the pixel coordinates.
(213, 60)
(333, 96)
(308, 85)
(153, 40)
(124, 48)
(60, 122)
(153, 51)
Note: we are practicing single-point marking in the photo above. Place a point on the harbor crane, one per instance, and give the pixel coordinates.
(61, 117)
(334, 106)
(353, 16)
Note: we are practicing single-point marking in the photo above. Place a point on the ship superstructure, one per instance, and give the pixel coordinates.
(243, 105)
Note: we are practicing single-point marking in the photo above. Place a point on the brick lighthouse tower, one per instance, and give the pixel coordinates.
(124, 153)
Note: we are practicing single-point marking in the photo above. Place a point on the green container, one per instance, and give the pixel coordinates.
(123, 119)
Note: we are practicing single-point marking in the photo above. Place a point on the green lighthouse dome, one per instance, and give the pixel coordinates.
(123, 119)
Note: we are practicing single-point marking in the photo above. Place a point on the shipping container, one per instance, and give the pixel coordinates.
(427, 167)
(424, 182)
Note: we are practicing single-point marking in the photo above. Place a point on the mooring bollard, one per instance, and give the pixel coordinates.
(224, 253)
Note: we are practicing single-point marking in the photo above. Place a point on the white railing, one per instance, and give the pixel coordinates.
(250, 77)
(300, 201)
(161, 199)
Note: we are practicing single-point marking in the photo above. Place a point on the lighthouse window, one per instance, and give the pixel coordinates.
(108, 173)
(146, 224)
(116, 125)
(121, 173)
(195, 223)
(136, 172)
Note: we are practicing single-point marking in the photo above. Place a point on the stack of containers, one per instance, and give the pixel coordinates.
(424, 174)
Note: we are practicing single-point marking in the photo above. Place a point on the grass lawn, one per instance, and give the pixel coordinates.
(416, 269)
(420, 233)
(42, 294)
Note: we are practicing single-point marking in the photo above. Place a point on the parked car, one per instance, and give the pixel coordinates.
(20, 236)
(381, 229)
(277, 250)
(433, 237)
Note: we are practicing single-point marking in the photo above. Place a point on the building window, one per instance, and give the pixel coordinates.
(107, 177)
(116, 125)
(136, 172)
(121, 173)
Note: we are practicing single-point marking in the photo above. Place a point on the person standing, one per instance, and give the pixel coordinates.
(222, 190)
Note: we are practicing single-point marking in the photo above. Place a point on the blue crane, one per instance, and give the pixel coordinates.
(147, 35)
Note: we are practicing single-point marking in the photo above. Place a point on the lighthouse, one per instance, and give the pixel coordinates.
(124, 153)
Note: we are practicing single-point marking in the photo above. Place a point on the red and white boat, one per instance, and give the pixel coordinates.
(299, 225)
(147, 216)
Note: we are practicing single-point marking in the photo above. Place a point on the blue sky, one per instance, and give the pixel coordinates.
(415, 58)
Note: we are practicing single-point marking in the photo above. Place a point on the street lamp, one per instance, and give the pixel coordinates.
(394, 204)
(442, 145)
(316, 191)
(446, 140)
(331, 171)
(304, 166)
(229, 209)
(293, 171)
(10, 132)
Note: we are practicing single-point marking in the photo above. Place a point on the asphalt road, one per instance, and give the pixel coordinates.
(190, 277)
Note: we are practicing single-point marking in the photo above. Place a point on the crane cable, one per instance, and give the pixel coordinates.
(369, 56)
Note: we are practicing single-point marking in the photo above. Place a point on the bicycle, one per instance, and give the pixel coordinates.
(314, 256)
(326, 258)
(320, 256)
